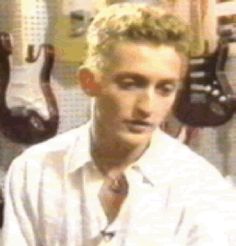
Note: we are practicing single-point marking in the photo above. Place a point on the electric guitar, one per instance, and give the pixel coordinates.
(22, 124)
(207, 98)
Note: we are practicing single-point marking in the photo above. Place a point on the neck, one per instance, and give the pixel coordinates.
(112, 155)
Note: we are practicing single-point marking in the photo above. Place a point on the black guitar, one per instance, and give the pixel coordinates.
(207, 98)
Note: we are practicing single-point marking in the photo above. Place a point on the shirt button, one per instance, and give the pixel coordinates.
(107, 236)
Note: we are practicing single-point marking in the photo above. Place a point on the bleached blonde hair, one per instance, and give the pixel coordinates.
(133, 22)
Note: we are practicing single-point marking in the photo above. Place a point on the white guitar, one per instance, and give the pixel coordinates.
(22, 124)
(28, 108)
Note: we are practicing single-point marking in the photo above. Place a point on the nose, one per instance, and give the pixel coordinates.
(145, 103)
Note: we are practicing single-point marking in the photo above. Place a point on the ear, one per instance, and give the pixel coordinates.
(88, 83)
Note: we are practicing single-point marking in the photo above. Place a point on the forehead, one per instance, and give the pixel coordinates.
(146, 58)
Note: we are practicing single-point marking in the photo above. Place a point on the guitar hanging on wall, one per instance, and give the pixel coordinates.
(207, 98)
(21, 124)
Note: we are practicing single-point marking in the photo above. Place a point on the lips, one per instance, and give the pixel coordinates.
(139, 126)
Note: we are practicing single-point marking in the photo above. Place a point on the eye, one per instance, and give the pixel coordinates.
(128, 83)
(166, 88)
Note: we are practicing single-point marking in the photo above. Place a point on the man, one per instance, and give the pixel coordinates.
(119, 180)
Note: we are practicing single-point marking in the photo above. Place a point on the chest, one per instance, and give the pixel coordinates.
(74, 217)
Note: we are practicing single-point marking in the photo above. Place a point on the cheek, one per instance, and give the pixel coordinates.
(111, 106)
(170, 103)
(121, 101)
(166, 106)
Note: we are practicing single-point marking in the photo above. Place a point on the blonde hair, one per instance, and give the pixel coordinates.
(133, 22)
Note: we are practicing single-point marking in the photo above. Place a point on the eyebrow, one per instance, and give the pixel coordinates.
(133, 75)
(142, 78)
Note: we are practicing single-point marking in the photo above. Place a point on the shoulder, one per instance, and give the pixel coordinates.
(183, 155)
(175, 151)
(50, 154)
(183, 166)
(60, 143)
(199, 184)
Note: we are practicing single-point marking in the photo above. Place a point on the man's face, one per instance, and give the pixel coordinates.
(138, 91)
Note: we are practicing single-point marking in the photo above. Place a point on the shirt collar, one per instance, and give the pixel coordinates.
(79, 153)
(157, 161)
(153, 165)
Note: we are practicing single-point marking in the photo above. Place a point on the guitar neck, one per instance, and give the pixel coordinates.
(28, 25)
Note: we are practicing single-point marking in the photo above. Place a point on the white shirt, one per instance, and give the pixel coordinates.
(175, 198)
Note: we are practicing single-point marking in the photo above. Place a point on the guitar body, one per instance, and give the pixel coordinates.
(22, 124)
(207, 97)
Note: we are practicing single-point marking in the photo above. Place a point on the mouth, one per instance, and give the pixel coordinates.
(140, 126)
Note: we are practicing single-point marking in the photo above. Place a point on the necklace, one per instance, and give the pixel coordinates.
(112, 195)
(118, 185)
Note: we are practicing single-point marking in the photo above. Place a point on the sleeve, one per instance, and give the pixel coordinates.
(208, 229)
(215, 216)
(228, 202)
(18, 227)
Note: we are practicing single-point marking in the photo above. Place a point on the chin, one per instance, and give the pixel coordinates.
(135, 139)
